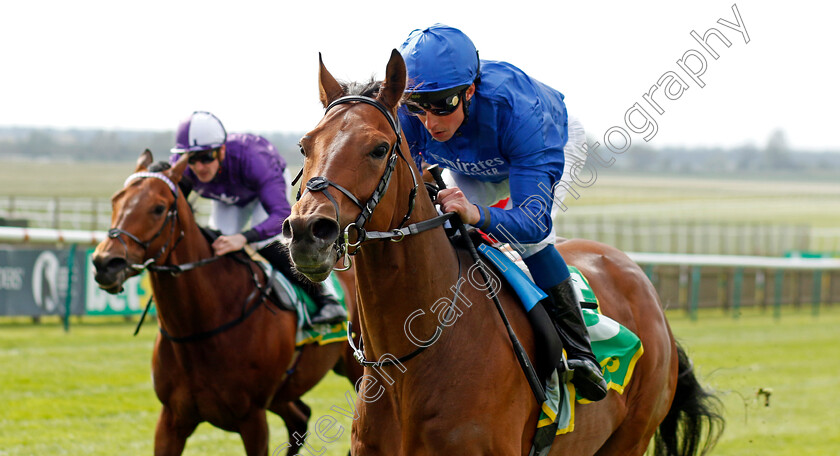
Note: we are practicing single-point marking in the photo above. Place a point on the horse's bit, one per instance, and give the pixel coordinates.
(151, 264)
(171, 215)
(341, 245)
(322, 184)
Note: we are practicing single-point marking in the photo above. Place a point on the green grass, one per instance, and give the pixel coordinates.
(30, 178)
(89, 392)
(795, 356)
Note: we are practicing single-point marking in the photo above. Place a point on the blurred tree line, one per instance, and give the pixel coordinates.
(121, 146)
(776, 155)
(108, 145)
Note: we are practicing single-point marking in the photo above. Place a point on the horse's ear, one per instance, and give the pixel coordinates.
(144, 161)
(177, 171)
(394, 84)
(328, 87)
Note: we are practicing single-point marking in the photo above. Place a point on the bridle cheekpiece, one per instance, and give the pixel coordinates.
(321, 184)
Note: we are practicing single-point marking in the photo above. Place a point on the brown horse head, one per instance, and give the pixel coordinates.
(143, 224)
(345, 159)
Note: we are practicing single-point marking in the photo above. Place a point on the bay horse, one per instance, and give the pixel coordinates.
(223, 350)
(444, 379)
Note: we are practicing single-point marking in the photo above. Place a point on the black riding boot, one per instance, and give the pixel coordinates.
(329, 311)
(564, 309)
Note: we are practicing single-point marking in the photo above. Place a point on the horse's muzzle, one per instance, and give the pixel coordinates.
(111, 272)
(311, 241)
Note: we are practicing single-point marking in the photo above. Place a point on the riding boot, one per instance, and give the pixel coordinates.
(564, 309)
(328, 310)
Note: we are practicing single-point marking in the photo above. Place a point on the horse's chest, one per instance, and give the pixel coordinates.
(214, 395)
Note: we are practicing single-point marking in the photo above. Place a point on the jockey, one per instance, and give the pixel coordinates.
(246, 178)
(499, 133)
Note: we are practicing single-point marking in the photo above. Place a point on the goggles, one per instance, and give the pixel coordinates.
(204, 157)
(444, 106)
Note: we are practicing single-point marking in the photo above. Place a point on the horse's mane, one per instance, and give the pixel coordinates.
(366, 89)
(158, 167)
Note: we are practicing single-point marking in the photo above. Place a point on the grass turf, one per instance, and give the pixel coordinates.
(89, 392)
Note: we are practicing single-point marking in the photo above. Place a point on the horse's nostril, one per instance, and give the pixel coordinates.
(110, 265)
(117, 264)
(325, 229)
(287, 230)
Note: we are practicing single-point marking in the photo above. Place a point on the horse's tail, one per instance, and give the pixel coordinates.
(694, 423)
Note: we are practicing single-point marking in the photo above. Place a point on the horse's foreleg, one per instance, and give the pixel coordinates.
(254, 432)
(171, 434)
(296, 417)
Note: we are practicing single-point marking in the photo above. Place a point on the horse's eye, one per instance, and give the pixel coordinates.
(379, 152)
(302, 152)
(158, 210)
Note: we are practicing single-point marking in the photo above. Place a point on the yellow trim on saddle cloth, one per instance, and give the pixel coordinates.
(550, 416)
(331, 334)
(609, 365)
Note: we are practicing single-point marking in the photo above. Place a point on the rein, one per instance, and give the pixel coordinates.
(175, 270)
(264, 291)
(261, 291)
(171, 215)
(518, 349)
(322, 184)
(359, 353)
(342, 245)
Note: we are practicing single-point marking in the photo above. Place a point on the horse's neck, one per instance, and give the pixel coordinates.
(195, 300)
(396, 279)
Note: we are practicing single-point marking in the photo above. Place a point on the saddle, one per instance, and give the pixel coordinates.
(549, 346)
(616, 348)
(276, 293)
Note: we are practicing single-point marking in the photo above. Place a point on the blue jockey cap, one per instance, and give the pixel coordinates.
(439, 58)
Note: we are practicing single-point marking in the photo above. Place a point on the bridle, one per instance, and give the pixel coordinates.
(260, 290)
(320, 184)
(342, 244)
(171, 216)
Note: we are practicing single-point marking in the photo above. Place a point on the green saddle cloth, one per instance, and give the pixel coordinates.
(615, 347)
(302, 304)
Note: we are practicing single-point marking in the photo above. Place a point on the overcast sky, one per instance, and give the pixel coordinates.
(146, 65)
